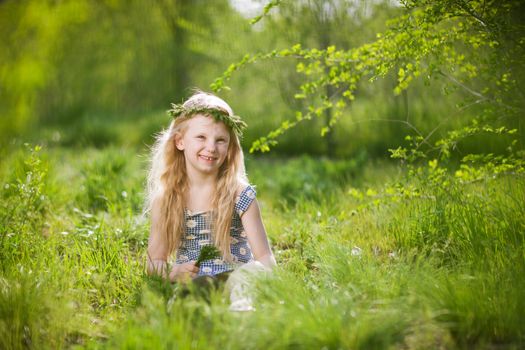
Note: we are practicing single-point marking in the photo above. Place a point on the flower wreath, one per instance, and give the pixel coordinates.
(233, 121)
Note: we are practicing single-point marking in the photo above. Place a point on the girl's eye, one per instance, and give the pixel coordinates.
(200, 137)
(221, 140)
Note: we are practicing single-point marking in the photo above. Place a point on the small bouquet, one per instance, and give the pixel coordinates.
(208, 252)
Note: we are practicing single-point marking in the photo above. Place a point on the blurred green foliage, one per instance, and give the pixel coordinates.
(103, 73)
(63, 62)
(305, 178)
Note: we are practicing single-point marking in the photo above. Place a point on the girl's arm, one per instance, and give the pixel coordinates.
(254, 227)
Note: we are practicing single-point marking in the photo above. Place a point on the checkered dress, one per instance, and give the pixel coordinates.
(198, 234)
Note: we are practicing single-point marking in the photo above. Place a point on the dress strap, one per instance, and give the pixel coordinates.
(244, 200)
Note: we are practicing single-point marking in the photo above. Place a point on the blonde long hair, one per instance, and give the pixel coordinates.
(167, 184)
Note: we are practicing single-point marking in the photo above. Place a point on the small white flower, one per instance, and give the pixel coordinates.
(242, 304)
(234, 240)
(65, 233)
(56, 136)
(191, 223)
(190, 237)
(250, 194)
(243, 234)
(124, 194)
(242, 251)
(204, 242)
(218, 262)
(183, 257)
(204, 232)
(206, 269)
(356, 250)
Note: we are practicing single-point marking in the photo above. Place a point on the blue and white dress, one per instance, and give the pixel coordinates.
(198, 234)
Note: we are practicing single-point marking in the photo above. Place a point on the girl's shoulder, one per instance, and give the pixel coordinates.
(245, 196)
(243, 186)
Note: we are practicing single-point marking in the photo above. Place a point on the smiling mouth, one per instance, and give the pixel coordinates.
(209, 159)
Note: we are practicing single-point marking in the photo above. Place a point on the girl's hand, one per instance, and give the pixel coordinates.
(183, 272)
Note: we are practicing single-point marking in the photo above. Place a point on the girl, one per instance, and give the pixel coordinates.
(198, 195)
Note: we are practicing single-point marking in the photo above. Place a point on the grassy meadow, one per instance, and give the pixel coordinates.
(425, 251)
(369, 258)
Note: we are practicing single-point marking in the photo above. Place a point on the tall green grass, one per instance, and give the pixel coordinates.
(361, 266)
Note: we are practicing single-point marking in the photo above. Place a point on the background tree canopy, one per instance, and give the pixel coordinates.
(82, 72)
(474, 48)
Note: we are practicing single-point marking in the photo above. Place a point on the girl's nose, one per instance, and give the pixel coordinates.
(210, 146)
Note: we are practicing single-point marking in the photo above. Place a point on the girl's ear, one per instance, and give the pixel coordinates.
(179, 142)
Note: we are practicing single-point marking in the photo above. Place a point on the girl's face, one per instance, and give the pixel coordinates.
(205, 144)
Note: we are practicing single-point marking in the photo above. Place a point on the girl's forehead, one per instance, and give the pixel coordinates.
(202, 122)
